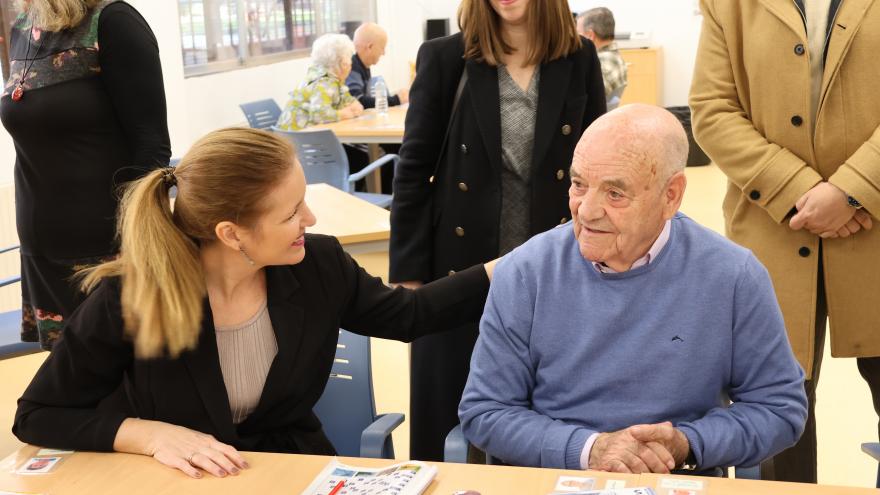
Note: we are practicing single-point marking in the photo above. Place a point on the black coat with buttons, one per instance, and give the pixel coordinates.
(446, 217)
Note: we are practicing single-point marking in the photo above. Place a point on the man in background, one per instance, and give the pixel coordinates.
(369, 43)
(597, 25)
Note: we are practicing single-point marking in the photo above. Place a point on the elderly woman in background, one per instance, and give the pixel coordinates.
(323, 96)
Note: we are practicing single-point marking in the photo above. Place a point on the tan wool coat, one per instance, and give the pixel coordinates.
(751, 112)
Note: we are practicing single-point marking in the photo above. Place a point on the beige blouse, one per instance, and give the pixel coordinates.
(246, 353)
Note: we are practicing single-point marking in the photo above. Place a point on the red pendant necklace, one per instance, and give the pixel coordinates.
(18, 92)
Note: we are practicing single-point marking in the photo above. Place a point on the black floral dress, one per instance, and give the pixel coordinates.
(89, 116)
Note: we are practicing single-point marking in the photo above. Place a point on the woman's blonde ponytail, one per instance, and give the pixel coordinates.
(162, 281)
(226, 176)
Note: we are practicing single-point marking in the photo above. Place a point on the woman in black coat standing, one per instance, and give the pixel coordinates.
(495, 113)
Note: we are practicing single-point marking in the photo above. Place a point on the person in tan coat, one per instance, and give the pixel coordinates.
(784, 101)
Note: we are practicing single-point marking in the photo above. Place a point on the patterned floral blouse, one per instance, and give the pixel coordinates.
(315, 101)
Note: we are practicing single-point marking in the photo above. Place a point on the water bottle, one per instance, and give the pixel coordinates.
(380, 92)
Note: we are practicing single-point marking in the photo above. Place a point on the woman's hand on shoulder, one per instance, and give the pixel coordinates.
(490, 267)
(178, 447)
(409, 284)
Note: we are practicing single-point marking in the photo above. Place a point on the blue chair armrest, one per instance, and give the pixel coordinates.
(872, 449)
(748, 473)
(374, 436)
(17, 349)
(386, 159)
(456, 447)
(9, 280)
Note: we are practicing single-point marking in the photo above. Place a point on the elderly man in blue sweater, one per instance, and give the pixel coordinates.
(632, 339)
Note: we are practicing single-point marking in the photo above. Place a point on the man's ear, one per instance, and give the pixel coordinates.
(673, 194)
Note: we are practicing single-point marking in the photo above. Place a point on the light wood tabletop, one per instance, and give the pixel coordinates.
(370, 127)
(99, 473)
(348, 218)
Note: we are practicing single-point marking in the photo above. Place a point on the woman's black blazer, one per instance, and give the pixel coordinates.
(307, 302)
(448, 218)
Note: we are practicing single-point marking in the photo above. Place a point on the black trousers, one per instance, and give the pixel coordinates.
(439, 368)
(798, 463)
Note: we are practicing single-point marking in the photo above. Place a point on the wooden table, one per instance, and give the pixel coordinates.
(91, 473)
(373, 130)
(361, 227)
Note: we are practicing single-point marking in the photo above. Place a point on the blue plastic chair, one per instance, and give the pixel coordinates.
(456, 447)
(873, 450)
(324, 160)
(10, 325)
(261, 114)
(347, 408)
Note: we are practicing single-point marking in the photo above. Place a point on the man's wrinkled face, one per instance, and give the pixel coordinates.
(618, 202)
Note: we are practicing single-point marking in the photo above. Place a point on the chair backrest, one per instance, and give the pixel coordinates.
(261, 114)
(322, 157)
(10, 325)
(347, 406)
(614, 98)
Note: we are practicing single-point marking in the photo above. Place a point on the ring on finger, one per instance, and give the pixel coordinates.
(189, 458)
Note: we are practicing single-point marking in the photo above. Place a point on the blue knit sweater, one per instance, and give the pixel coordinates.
(565, 351)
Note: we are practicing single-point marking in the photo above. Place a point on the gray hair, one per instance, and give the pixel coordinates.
(330, 50)
(600, 20)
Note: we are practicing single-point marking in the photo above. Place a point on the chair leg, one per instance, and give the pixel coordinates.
(388, 448)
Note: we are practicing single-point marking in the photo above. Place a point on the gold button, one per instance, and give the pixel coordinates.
(566, 130)
(560, 174)
(451, 272)
(463, 186)
(564, 219)
(459, 231)
(431, 179)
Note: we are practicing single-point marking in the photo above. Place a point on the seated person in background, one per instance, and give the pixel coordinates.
(221, 317)
(369, 43)
(323, 96)
(597, 25)
(614, 343)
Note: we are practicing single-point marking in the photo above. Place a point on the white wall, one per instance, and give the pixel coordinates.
(673, 25)
(197, 105)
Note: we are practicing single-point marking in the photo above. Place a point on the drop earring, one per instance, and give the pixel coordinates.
(248, 258)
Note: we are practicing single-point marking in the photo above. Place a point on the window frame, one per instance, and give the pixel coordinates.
(243, 60)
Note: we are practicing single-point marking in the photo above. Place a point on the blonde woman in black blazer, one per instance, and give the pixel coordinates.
(448, 195)
(234, 245)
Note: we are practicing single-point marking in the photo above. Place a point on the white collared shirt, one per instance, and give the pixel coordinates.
(652, 253)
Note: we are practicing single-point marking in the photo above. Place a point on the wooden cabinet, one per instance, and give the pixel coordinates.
(644, 73)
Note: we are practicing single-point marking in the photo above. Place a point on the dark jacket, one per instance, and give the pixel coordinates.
(307, 302)
(449, 219)
(358, 82)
